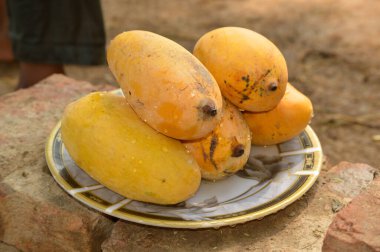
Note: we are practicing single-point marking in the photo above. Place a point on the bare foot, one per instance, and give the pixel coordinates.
(31, 73)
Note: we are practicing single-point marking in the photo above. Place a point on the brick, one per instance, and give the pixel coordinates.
(357, 226)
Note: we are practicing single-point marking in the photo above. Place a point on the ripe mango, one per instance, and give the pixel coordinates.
(106, 138)
(165, 84)
(288, 119)
(250, 69)
(226, 149)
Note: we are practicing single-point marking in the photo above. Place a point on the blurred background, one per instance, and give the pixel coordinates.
(332, 48)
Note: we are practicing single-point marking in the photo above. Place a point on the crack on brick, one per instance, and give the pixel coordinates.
(102, 232)
(9, 245)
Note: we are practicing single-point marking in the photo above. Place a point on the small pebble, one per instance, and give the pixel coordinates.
(336, 205)
(317, 233)
(376, 138)
(292, 214)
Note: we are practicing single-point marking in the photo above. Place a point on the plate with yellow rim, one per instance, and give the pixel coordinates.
(274, 177)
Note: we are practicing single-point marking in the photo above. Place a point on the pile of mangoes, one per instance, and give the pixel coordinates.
(184, 116)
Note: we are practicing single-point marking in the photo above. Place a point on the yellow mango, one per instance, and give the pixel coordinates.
(288, 119)
(226, 149)
(250, 69)
(165, 84)
(106, 138)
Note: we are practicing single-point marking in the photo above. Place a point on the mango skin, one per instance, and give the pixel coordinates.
(165, 84)
(250, 70)
(226, 149)
(288, 119)
(106, 138)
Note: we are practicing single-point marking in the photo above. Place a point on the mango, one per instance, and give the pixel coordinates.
(288, 119)
(106, 138)
(165, 84)
(226, 149)
(250, 70)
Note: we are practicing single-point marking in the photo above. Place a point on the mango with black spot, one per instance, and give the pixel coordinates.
(165, 84)
(250, 70)
(226, 149)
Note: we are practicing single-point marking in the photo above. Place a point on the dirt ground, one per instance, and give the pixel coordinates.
(332, 50)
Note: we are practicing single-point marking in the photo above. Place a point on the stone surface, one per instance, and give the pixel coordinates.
(28, 116)
(35, 213)
(6, 248)
(349, 179)
(30, 225)
(357, 226)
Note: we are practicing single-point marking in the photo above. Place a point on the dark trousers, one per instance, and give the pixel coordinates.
(57, 31)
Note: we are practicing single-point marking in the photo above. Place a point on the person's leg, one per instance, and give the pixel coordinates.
(6, 53)
(31, 73)
(64, 32)
(29, 47)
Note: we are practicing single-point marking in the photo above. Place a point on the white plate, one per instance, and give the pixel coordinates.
(250, 194)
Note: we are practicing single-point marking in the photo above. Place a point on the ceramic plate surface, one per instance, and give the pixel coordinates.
(274, 177)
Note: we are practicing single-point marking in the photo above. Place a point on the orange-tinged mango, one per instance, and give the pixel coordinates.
(250, 69)
(226, 149)
(106, 138)
(165, 84)
(284, 122)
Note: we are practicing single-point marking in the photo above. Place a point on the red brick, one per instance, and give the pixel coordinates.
(357, 226)
(349, 179)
